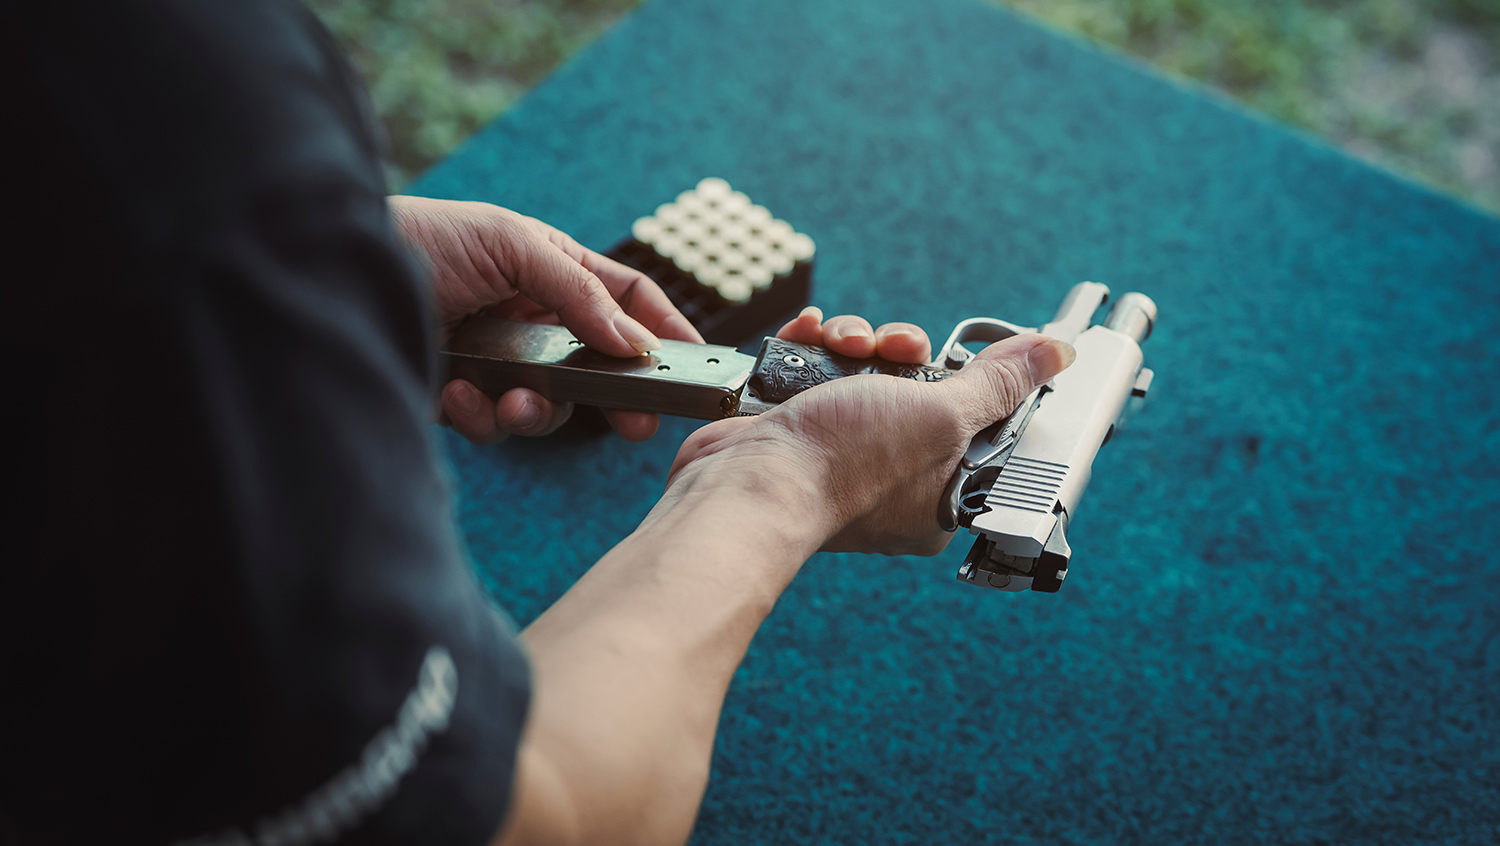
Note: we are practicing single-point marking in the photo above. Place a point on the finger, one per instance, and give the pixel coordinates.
(805, 328)
(522, 308)
(994, 382)
(903, 342)
(524, 412)
(471, 412)
(849, 334)
(633, 426)
(549, 276)
(637, 293)
(640, 296)
(485, 421)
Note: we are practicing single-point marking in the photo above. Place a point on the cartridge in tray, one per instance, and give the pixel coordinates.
(729, 265)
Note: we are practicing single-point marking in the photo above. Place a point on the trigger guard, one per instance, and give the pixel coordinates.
(984, 330)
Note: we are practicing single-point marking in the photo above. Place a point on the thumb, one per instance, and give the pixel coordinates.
(994, 382)
(554, 280)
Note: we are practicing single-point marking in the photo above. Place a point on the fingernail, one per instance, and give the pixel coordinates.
(525, 417)
(635, 334)
(1049, 359)
(855, 331)
(812, 311)
(466, 400)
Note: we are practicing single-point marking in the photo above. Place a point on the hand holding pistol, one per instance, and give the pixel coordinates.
(1019, 481)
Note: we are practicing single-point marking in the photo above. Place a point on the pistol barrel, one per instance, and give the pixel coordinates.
(1133, 315)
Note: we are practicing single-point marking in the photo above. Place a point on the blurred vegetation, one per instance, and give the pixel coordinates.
(1411, 85)
(439, 69)
(1408, 84)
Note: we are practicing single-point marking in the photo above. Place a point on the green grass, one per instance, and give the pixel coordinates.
(439, 69)
(1410, 85)
(1406, 84)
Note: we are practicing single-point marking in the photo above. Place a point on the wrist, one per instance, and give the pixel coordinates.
(654, 632)
(774, 502)
(705, 567)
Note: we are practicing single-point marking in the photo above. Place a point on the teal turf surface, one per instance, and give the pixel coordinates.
(1283, 620)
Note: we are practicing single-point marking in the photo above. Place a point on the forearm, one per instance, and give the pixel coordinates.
(631, 666)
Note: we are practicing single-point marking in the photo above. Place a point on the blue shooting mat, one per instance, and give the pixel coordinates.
(1282, 622)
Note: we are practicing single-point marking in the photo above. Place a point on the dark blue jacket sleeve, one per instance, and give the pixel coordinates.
(234, 592)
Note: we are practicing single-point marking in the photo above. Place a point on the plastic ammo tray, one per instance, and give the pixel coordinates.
(732, 268)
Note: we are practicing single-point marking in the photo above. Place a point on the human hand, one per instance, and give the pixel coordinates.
(486, 258)
(868, 457)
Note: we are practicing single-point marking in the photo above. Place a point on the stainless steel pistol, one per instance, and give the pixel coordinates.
(1018, 483)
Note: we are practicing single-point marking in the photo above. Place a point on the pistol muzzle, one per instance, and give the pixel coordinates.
(1132, 315)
